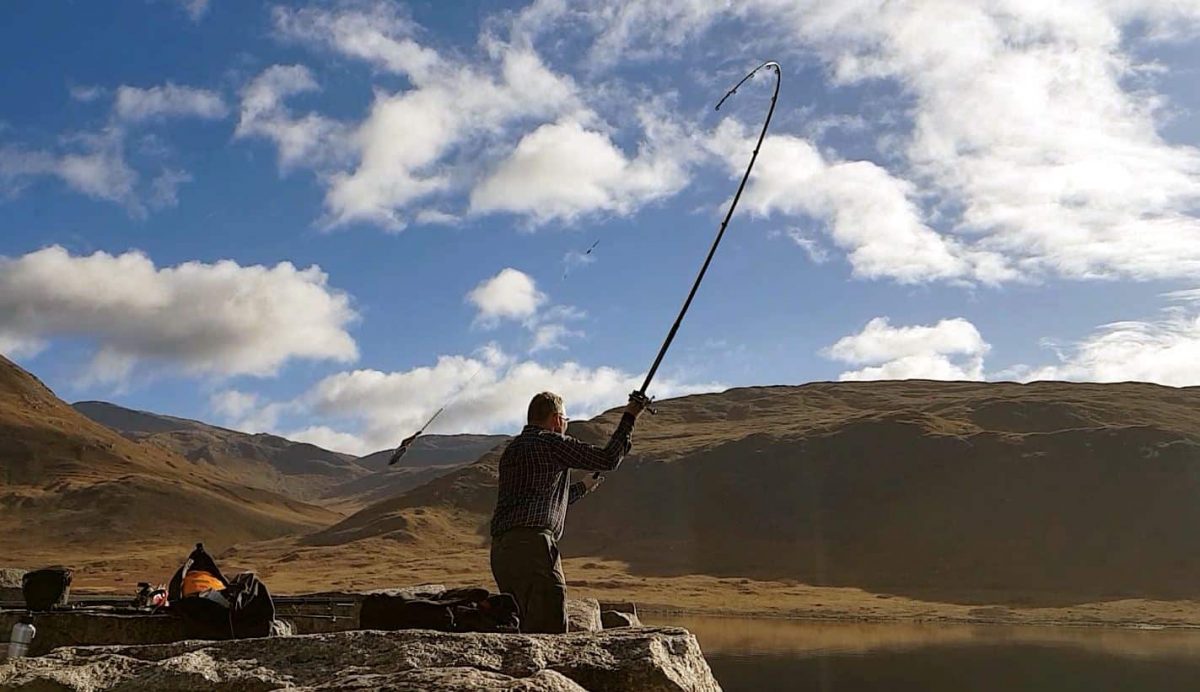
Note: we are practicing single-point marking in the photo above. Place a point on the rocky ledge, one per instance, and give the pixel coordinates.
(647, 658)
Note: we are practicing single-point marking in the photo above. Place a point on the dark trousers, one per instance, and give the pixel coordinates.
(526, 565)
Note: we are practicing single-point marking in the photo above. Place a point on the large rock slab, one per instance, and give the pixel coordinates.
(650, 659)
(95, 627)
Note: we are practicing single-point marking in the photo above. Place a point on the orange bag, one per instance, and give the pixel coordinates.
(197, 582)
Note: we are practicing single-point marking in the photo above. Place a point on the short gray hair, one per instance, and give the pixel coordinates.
(543, 405)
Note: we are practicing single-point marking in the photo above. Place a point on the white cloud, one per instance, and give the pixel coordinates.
(86, 93)
(412, 145)
(19, 347)
(248, 412)
(96, 168)
(134, 104)
(232, 403)
(95, 163)
(164, 189)
(1165, 351)
(310, 140)
(384, 407)
(196, 9)
(514, 295)
(812, 246)
(869, 213)
(547, 337)
(327, 438)
(563, 170)
(219, 318)
(510, 294)
(575, 259)
(372, 32)
(1034, 127)
(952, 349)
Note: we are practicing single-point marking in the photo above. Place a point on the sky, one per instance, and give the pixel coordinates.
(326, 220)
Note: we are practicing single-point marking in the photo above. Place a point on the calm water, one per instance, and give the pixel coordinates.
(748, 654)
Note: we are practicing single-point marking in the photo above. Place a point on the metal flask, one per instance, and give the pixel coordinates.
(21, 636)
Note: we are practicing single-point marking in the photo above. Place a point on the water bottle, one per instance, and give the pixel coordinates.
(22, 634)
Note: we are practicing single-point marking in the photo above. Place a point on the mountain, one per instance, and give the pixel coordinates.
(296, 469)
(72, 487)
(945, 490)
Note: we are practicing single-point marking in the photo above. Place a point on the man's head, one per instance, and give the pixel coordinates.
(546, 411)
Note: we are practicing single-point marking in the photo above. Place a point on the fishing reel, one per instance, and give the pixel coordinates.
(647, 402)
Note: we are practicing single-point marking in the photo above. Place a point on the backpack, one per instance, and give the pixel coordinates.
(46, 588)
(456, 610)
(242, 608)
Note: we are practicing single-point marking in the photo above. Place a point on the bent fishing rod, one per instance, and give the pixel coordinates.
(640, 395)
(407, 442)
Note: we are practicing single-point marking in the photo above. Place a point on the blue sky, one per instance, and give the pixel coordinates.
(324, 219)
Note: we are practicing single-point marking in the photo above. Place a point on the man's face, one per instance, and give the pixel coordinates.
(560, 421)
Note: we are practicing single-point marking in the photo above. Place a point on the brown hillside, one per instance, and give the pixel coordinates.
(296, 469)
(74, 487)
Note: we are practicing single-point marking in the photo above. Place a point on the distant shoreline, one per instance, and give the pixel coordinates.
(833, 618)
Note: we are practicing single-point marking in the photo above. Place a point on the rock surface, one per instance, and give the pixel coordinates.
(95, 627)
(650, 659)
(583, 615)
(10, 584)
(614, 618)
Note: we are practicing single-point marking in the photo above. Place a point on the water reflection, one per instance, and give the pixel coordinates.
(754, 654)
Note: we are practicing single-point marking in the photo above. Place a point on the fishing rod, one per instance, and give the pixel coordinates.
(407, 442)
(640, 395)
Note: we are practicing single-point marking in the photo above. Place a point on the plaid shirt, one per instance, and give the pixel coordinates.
(535, 475)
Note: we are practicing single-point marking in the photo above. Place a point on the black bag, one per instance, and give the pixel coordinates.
(46, 588)
(247, 609)
(456, 610)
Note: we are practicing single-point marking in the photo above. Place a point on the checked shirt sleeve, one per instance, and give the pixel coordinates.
(575, 454)
(577, 491)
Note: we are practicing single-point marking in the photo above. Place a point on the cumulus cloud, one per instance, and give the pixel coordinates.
(327, 438)
(511, 295)
(1165, 351)
(233, 403)
(412, 147)
(248, 412)
(380, 408)
(562, 170)
(221, 318)
(134, 104)
(869, 213)
(952, 349)
(310, 140)
(401, 147)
